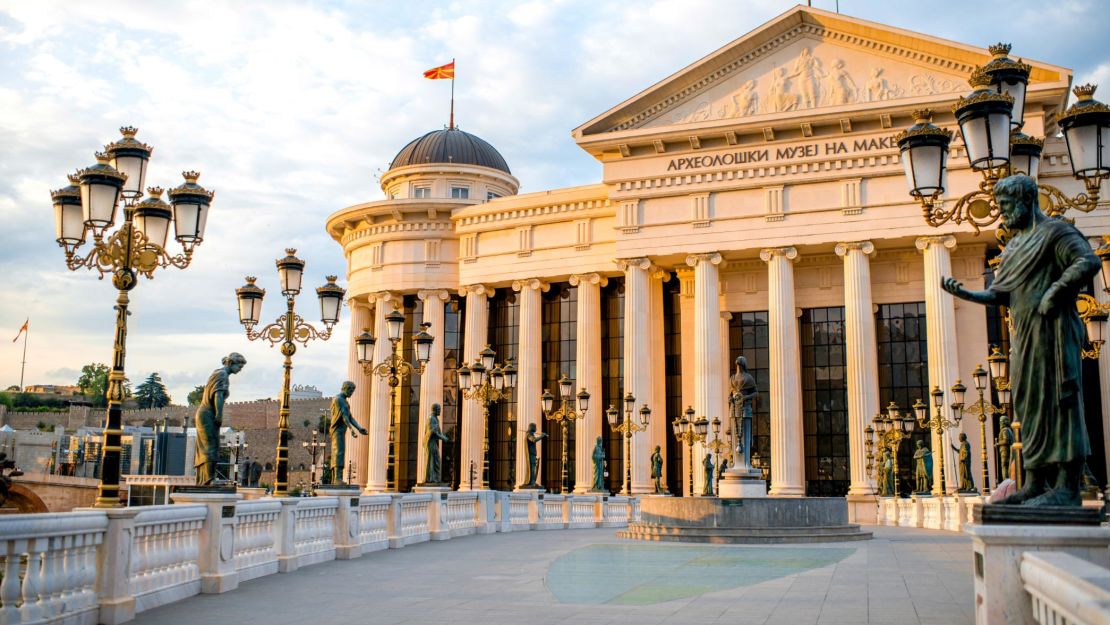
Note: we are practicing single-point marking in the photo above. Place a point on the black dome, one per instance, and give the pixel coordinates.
(450, 145)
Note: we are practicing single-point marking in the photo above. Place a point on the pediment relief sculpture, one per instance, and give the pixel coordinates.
(808, 76)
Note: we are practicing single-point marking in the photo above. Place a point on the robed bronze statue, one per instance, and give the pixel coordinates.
(1003, 444)
(1045, 264)
(340, 421)
(963, 455)
(599, 466)
(432, 472)
(210, 416)
(657, 470)
(707, 464)
(923, 468)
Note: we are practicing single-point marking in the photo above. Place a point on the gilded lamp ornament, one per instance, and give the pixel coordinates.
(288, 330)
(485, 382)
(89, 206)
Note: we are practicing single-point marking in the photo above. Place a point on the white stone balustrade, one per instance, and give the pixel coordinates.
(165, 549)
(373, 522)
(314, 536)
(104, 566)
(255, 538)
(49, 567)
(1065, 589)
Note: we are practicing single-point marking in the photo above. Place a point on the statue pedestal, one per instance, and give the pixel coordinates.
(738, 483)
(1000, 595)
(250, 493)
(346, 538)
(217, 536)
(863, 509)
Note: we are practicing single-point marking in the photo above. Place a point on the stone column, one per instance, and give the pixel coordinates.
(862, 358)
(940, 315)
(787, 451)
(588, 364)
(431, 381)
(475, 330)
(686, 338)
(708, 382)
(530, 372)
(358, 449)
(637, 360)
(378, 458)
(657, 429)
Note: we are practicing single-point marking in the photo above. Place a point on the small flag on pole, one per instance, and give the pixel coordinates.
(21, 330)
(441, 72)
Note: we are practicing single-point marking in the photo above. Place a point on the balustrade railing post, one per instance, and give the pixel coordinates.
(218, 573)
(438, 529)
(286, 539)
(394, 528)
(113, 566)
(347, 546)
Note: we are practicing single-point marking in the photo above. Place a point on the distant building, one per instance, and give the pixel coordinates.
(61, 390)
(304, 391)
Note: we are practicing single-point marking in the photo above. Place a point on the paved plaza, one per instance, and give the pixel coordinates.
(590, 577)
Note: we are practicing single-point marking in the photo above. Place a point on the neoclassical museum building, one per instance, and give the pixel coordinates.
(754, 203)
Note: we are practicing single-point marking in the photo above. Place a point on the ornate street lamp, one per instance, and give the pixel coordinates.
(564, 415)
(288, 330)
(689, 430)
(485, 382)
(985, 409)
(88, 205)
(628, 428)
(891, 430)
(939, 424)
(393, 370)
(313, 447)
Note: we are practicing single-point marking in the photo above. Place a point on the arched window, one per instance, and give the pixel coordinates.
(269, 466)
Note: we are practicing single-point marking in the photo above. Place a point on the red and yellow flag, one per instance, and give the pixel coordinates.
(21, 330)
(441, 72)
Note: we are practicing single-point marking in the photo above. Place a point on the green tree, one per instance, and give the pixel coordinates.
(152, 392)
(94, 383)
(196, 395)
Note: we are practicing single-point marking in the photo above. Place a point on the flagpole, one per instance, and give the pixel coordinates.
(452, 123)
(23, 365)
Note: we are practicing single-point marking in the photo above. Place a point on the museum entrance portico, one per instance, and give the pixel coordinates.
(752, 204)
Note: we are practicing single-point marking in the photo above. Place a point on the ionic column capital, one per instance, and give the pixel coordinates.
(790, 253)
(685, 280)
(625, 264)
(355, 303)
(426, 294)
(842, 249)
(476, 289)
(947, 240)
(386, 296)
(725, 315)
(658, 273)
(709, 257)
(588, 278)
(531, 283)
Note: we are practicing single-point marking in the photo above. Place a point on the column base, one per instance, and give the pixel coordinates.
(216, 584)
(787, 491)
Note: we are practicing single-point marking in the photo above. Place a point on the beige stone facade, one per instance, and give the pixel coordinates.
(761, 183)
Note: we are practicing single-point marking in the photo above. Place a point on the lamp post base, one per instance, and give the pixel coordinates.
(742, 484)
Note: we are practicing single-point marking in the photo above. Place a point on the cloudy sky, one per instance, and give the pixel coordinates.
(291, 109)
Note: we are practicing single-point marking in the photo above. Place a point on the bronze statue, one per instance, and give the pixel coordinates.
(8, 470)
(923, 468)
(1003, 443)
(531, 438)
(209, 418)
(742, 394)
(337, 432)
(432, 474)
(886, 475)
(1045, 264)
(967, 484)
(599, 466)
(657, 470)
(707, 464)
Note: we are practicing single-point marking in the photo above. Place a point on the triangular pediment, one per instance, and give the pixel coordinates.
(804, 60)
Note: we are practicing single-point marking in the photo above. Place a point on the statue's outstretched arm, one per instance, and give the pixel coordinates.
(989, 297)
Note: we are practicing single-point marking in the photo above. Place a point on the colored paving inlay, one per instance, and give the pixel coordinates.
(646, 574)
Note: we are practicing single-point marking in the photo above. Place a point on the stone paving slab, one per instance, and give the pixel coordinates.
(591, 577)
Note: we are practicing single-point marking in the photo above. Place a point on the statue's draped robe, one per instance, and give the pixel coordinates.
(337, 436)
(208, 428)
(599, 468)
(1045, 350)
(432, 471)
